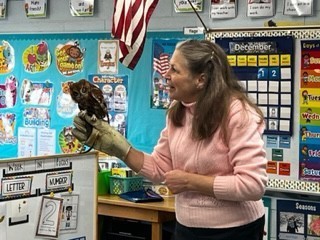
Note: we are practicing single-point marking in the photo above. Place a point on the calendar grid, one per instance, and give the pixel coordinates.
(264, 66)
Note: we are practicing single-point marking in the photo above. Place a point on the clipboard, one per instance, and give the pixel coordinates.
(141, 196)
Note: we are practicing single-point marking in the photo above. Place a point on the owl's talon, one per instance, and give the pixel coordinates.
(94, 118)
(82, 113)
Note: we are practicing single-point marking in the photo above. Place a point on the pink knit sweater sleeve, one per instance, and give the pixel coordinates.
(159, 162)
(247, 157)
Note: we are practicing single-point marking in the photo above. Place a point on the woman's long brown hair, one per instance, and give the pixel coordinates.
(221, 88)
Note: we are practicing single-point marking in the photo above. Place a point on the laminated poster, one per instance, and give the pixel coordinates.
(65, 106)
(35, 9)
(9, 92)
(115, 93)
(7, 60)
(8, 121)
(3, 9)
(49, 218)
(260, 8)
(81, 8)
(70, 58)
(161, 54)
(70, 217)
(36, 58)
(298, 220)
(36, 93)
(223, 9)
(108, 56)
(309, 140)
(184, 5)
(298, 7)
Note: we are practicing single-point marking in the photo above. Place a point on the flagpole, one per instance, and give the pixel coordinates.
(205, 28)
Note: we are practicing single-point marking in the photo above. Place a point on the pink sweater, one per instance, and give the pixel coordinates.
(239, 167)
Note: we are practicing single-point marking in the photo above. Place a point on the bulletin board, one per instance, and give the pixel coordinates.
(49, 197)
(289, 149)
(35, 69)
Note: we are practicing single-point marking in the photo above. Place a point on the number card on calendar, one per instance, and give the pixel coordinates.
(49, 218)
(264, 66)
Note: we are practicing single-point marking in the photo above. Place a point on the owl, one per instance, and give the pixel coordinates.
(90, 99)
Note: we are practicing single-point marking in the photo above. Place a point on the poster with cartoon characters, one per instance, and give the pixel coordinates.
(309, 111)
(7, 128)
(108, 56)
(36, 93)
(70, 58)
(66, 107)
(7, 57)
(115, 93)
(36, 58)
(8, 92)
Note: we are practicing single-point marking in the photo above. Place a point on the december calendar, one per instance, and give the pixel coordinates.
(264, 65)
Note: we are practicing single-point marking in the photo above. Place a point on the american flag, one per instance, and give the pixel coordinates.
(130, 20)
(161, 64)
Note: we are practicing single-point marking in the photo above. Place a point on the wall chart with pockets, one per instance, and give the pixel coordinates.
(49, 197)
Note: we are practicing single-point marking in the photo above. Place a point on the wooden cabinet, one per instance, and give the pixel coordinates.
(144, 219)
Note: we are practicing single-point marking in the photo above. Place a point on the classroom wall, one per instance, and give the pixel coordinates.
(164, 17)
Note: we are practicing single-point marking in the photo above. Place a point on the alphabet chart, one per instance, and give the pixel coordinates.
(264, 65)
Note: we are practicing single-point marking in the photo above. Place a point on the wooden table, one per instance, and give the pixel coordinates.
(154, 212)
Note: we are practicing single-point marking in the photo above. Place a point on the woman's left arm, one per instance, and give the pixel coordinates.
(180, 181)
(247, 156)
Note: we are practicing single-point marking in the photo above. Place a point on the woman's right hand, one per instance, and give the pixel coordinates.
(98, 134)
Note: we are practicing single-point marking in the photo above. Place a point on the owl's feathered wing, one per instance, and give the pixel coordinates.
(99, 106)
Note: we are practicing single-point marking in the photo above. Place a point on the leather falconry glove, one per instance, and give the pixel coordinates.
(101, 136)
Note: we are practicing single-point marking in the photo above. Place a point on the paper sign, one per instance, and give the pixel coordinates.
(298, 7)
(81, 8)
(184, 6)
(284, 169)
(35, 9)
(272, 167)
(277, 154)
(260, 8)
(223, 9)
(3, 8)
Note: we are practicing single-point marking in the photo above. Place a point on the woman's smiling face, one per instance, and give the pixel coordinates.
(183, 86)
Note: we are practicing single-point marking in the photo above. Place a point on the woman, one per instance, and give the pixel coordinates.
(210, 153)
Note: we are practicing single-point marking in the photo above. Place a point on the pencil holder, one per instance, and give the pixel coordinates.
(120, 185)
